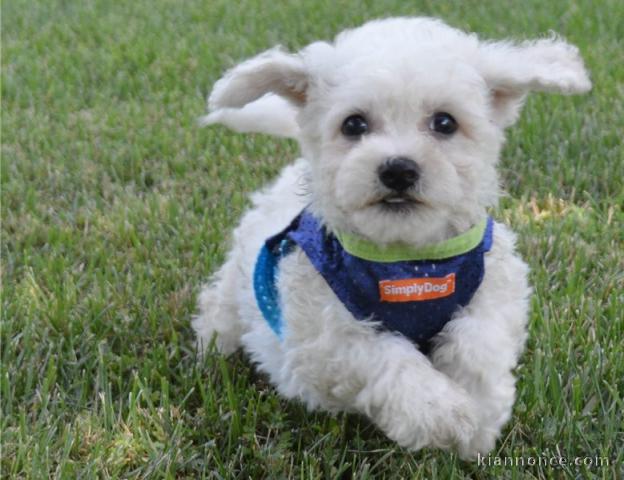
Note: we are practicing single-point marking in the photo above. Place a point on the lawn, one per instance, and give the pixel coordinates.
(116, 206)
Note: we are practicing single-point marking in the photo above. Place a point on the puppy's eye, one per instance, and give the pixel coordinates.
(443, 123)
(354, 126)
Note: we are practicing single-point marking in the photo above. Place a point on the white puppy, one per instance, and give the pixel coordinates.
(393, 294)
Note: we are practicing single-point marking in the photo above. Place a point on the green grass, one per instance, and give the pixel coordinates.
(115, 207)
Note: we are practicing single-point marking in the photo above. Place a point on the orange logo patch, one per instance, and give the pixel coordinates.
(416, 289)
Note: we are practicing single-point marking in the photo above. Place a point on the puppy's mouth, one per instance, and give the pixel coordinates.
(398, 202)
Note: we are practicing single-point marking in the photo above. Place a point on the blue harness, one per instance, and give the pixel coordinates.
(413, 297)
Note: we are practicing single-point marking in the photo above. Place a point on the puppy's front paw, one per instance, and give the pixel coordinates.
(440, 416)
(454, 422)
(481, 443)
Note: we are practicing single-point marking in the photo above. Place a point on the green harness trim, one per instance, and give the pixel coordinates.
(398, 252)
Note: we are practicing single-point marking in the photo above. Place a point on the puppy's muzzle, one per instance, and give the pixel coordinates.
(399, 173)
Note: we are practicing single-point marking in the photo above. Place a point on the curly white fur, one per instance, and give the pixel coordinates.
(396, 72)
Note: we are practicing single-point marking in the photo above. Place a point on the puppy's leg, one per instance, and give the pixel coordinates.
(224, 303)
(335, 362)
(413, 403)
(386, 378)
(479, 358)
(480, 348)
(218, 312)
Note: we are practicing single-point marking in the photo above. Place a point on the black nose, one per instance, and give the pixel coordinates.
(399, 173)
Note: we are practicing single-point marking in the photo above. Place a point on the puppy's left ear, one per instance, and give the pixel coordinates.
(262, 94)
(513, 70)
(273, 71)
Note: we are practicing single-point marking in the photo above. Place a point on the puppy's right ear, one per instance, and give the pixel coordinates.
(273, 71)
(513, 70)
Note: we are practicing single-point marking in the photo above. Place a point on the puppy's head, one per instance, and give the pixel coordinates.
(402, 120)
